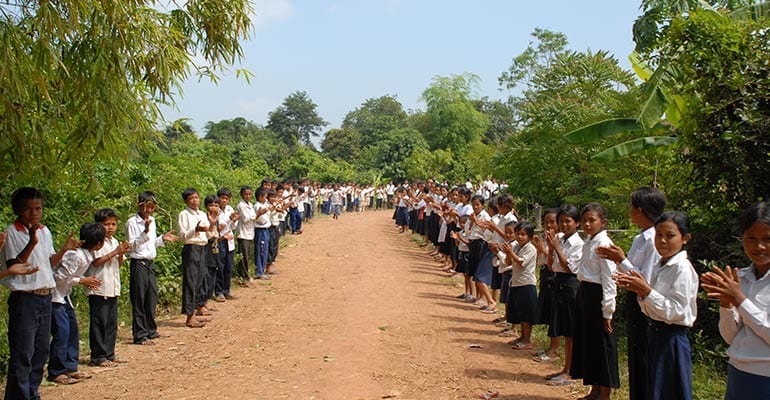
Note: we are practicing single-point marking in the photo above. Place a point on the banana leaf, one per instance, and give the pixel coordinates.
(632, 146)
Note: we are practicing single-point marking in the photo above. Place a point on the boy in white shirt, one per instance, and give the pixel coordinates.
(103, 301)
(245, 233)
(227, 218)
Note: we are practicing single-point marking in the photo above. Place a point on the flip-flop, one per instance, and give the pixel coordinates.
(492, 310)
(560, 382)
(80, 375)
(544, 358)
(522, 346)
(64, 380)
(195, 324)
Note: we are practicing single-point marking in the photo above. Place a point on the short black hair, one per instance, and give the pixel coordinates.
(570, 211)
(21, 195)
(260, 192)
(597, 208)
(92, 233)
(103, 214)
(188, 192)
(147, 196)
(526, 227)
(210, 199)
(678, 218)
(245, 188)
(224, 192)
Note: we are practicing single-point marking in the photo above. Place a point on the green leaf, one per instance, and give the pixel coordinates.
(631, 147)
(655, 100)
(642, 69)
(602, 129)
(753, 12)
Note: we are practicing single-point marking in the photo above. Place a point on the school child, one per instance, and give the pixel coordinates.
(195, 229)
(28, 255)
(65, 342)
(522, 294)
(546, 281)
(276, 210)
(563, 260)
(447, 219)
(495, 236)
(103, 301)
(336, 199)
(226, 219)
(669, 301)
(463, 258)
(295, 215)
(504, 267)
(381, 195)
(262, 234)
(595, 355)
(211, 252)
(744, 308)
(478, 249)
(245, 233)
(141, 231)
(647, 204)
(402, 210)
(285, 207)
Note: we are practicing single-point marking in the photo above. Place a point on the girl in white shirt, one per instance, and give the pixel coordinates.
(669, 301)
(595, 353)
(744, 315)
(522, 294)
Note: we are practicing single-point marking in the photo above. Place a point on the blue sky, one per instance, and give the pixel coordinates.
(343, 52)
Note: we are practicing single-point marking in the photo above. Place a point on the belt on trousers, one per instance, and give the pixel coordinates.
(38, 292)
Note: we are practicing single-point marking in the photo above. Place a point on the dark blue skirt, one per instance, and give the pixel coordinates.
(670, 362)
(484, 269)
(522, 301)
(402, 216)
(742, 385)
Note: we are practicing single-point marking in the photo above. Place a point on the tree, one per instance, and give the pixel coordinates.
(296, 120)
(388, 156)
(375, 118)
(82, 79)
(501, 119)
(454, 121)
(342, 144)
(247, 142)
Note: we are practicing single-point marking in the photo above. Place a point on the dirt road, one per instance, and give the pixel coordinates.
(358, 312)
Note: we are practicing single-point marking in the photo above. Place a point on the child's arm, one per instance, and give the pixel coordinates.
(119, 251)
(68, 271)
(70, 244)
(18, 269)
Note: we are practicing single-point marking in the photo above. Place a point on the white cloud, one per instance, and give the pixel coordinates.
(269, 11)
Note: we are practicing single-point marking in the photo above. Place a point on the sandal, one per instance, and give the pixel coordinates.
(195, 324)
(492, 310)
(522, 346)
(64, 380)
(79, 375)
(560, 382)
(147, 342)
(104, 364)
(508, 333)
(544, 358)
(514, 342)
(204, 313)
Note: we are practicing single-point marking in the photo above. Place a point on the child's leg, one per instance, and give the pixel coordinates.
(60, 332)
(483, 290)
(97, 328)
(29, 335)
(526, 332)
(73, 341)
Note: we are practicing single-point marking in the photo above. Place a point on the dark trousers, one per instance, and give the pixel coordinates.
(65, 340)
(272, 248)
(261, 243)
(193, 269)
(225, 273)
(29, 332)
(296, 220)
(638, 356)
(246, 249)
(103, 328)
(308, 211)
(210, 273)
(143, 291)
(282, 227)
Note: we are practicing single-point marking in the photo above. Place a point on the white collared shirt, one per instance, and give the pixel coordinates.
(747, 327)
(17, 237)
(143, 245)
(188, 220)
(263, 221)
(599, 270)
(67, 274)
(224, 219)
(476, 231)
(642, 257)
(524, 274)
(108, 273)
(246, 217)
(572, 248)
(673, 298)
